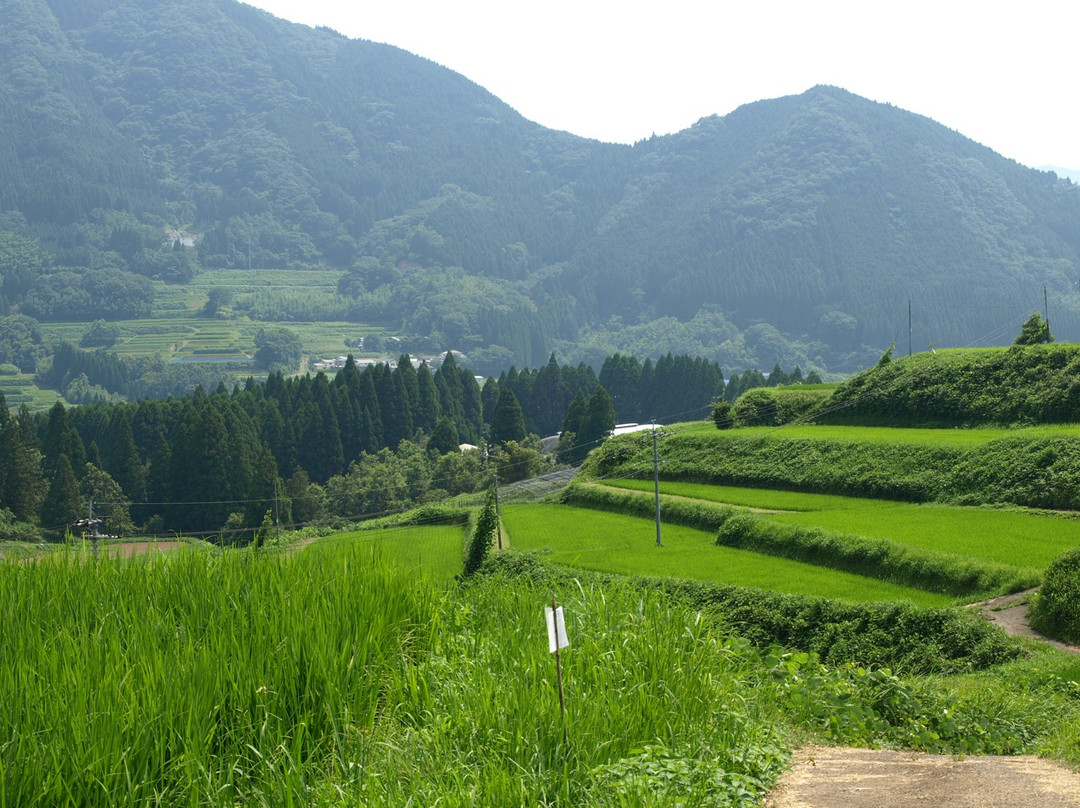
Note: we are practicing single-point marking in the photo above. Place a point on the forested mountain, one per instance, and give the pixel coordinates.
(152, 139)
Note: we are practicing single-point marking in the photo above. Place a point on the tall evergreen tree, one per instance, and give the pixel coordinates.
(472, 406)
(508, 421)
(60, 438)
(427, 400)
(63, 503)
(571, 425)
(489, 394)
(21, 483)
(200, 501)
(597, 423)
(444, 438)
(124, 463)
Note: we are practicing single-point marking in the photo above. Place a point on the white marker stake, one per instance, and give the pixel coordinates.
(556, 626)
(557, 639)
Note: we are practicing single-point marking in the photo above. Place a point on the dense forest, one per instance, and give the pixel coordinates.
(143, 141)
(318, 448)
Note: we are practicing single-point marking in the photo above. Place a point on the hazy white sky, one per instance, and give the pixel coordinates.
(1003, 74)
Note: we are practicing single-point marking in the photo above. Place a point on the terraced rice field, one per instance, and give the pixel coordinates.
(1014, 537)
(609, 542)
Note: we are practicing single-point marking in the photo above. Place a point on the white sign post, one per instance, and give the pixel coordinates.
(557, 640)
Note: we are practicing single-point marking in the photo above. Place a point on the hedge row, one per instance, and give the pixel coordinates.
(899, 636)
(1035, 470)
(699, 515)
(880, 558)
(1035, 384)
(1056, 611)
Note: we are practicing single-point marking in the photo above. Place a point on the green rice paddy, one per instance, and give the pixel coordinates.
(626, 545)
(1017, 538)
(434, 550)
(864, 434)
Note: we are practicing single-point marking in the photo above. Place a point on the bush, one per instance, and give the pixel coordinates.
(483, 535)
(1056, 612)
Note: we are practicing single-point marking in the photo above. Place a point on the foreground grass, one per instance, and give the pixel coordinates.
(332, 677)
(609, 542)
(193, 678)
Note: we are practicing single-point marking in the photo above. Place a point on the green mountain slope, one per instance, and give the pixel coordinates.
(160, 138)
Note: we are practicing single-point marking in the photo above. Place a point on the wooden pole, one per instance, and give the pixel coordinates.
(656, 481)
(558, 670)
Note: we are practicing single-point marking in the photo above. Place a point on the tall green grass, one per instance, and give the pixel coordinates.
(432, 550)
(328, 677)
(195, 678)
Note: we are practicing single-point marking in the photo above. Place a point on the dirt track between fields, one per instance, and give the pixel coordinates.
(826, 777)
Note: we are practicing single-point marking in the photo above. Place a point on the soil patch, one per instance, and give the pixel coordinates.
(1010, 613)
(824, 777)
(136, 548)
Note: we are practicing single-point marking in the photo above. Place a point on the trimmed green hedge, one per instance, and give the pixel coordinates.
(699, 515)
(1056, 611)
(772, 406)
(1036, 470)
(902, 637)
(875, 558)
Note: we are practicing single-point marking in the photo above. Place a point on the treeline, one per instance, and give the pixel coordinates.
(301, 449)
(88, 377)
(224, 459)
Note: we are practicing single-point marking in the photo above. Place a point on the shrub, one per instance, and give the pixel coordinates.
(1056, 612)
(483, 534)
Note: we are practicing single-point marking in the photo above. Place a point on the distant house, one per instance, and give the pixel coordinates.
(626, 429)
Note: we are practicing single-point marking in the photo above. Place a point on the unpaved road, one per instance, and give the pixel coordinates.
(824, 777)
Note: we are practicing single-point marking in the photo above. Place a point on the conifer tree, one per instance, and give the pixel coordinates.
(63, 503)
(508, 421)
(444, 438)
(124, 463)
(489, 394)
(427, 400)
(597, 423)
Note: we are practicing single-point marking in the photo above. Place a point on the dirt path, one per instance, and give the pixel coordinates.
(824, 777)
(1010, 613)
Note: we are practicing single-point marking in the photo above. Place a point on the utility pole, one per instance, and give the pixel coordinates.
(1046, 311)
(277, 513)
(656, 481)
(498, 514)
(909, 329)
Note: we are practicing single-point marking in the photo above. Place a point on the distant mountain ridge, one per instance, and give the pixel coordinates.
(793, 230)
(1072, 173)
